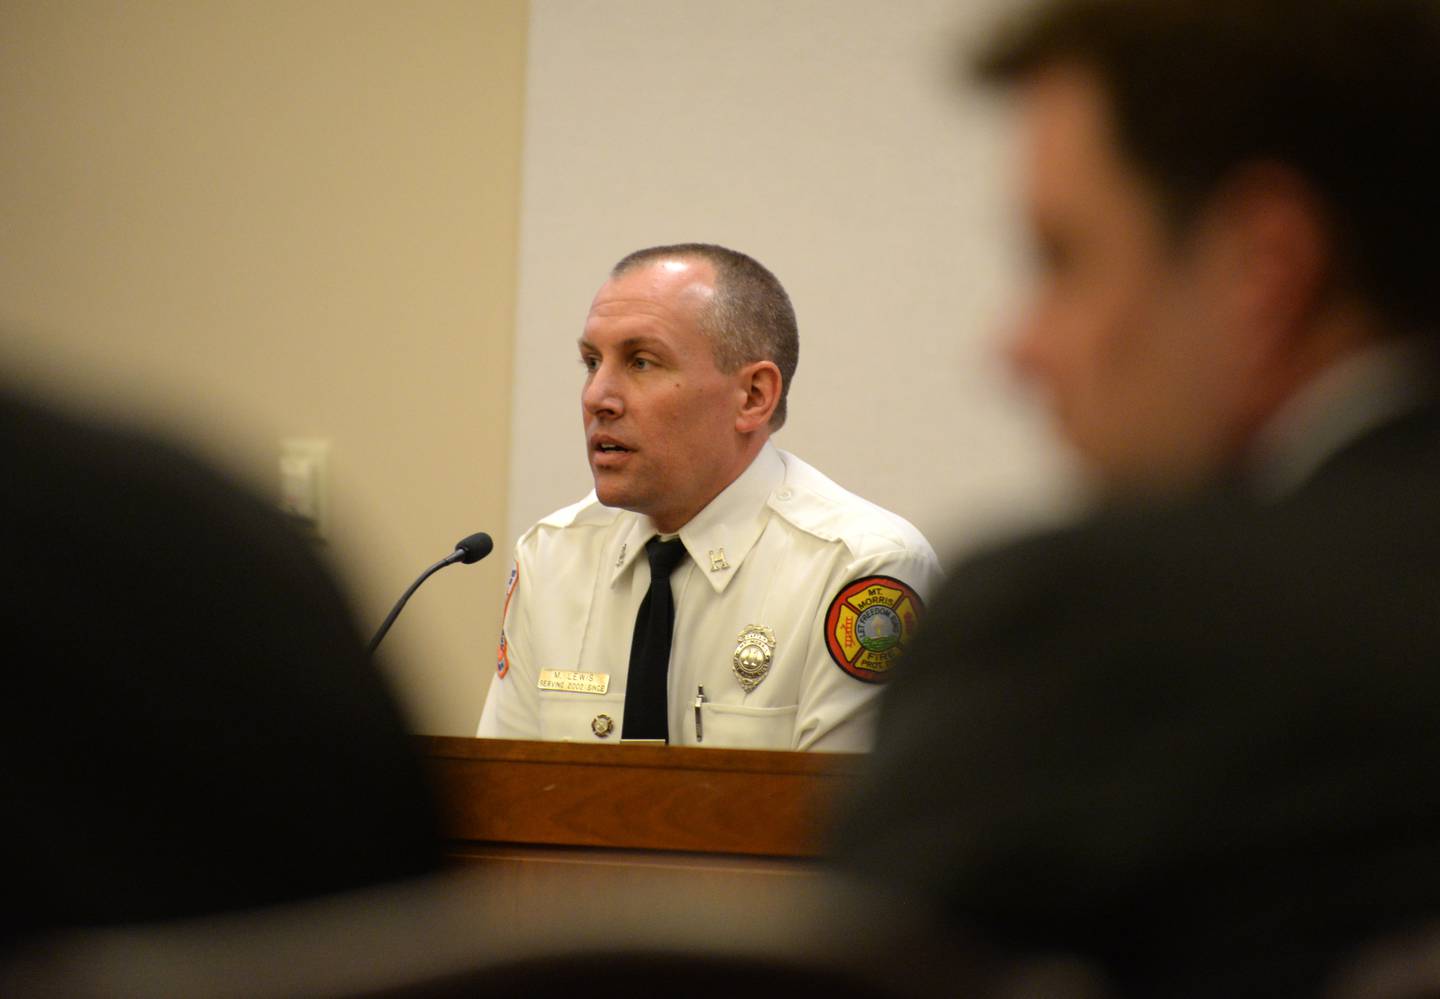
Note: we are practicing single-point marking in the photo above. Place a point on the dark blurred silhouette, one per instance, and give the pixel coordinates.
(191, 722)
(1191, 738)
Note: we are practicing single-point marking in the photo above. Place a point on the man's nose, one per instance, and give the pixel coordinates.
(602, 395)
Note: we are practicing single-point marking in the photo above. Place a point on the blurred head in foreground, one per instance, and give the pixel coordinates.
(1181, 739)
(191, 724)
(1226, 199)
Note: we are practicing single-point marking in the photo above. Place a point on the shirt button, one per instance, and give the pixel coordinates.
(784, 493)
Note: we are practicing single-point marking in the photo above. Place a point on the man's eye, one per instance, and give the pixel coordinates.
(641, 363)
(1052, 255)
(590, 364)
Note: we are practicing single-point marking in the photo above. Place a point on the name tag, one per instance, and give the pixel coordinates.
(574, 682)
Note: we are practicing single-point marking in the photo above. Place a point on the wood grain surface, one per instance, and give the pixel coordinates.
(671, 798)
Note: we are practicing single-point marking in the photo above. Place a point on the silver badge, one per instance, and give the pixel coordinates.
(602, 726)
(754, 651)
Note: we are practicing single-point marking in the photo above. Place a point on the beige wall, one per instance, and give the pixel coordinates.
(249, 221)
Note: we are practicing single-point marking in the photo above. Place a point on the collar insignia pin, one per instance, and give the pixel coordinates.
(620, 559)
(754, 651)
(717, 560)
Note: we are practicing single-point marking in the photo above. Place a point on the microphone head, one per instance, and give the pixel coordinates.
(475, 547)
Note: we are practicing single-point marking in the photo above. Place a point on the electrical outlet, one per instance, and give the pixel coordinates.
(303, 487)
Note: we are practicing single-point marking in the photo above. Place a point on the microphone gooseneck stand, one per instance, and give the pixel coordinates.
(467, 551)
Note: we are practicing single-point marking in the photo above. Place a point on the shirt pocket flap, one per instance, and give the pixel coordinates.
(736, 726)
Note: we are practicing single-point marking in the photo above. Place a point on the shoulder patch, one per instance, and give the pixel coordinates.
(502, 656)
(869, 623)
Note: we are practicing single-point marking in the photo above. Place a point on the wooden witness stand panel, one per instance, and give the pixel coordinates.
(556, 826)
(723, 802)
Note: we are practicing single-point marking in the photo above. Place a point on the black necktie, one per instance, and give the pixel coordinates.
(650, 647)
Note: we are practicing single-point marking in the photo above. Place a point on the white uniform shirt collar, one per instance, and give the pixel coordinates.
(718, 538)
(1347, 400)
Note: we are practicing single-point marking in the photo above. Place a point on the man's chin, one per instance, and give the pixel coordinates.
(609, 495)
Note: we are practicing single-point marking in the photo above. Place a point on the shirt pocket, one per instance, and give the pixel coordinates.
(571, 717)
(737, 726)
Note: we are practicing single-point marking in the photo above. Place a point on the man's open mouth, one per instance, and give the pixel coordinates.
(605, 444)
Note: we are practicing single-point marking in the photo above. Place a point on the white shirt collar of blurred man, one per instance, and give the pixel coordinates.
(1358, 393)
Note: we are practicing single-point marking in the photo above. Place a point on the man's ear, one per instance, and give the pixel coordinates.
(1282, 253)
(761, 383)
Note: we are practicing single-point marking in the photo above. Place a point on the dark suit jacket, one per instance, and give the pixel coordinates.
(1198, 745)
(190, 722)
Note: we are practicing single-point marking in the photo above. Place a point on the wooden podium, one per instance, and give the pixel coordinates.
(565, 821)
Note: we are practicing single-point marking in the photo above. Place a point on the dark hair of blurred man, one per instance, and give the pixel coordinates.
(1227, 198)
(1190, 738)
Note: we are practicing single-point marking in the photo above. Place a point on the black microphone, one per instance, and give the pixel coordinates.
(468, 551)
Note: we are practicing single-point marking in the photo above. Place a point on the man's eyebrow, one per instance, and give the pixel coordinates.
(641, 342)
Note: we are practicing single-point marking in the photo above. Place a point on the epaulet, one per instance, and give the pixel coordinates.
(812, 502)
(588, 511)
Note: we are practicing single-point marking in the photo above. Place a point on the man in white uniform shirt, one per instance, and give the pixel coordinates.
(790, 597)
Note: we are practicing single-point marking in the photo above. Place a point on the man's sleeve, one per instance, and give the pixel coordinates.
(512, 708)
(870, 611)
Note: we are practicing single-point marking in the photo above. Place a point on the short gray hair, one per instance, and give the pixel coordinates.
(749, 319)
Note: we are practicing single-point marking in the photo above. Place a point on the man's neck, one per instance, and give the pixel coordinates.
(671, 524)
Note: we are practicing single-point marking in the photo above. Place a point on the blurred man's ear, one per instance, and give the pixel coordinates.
(1279, 253)
(761, 382)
